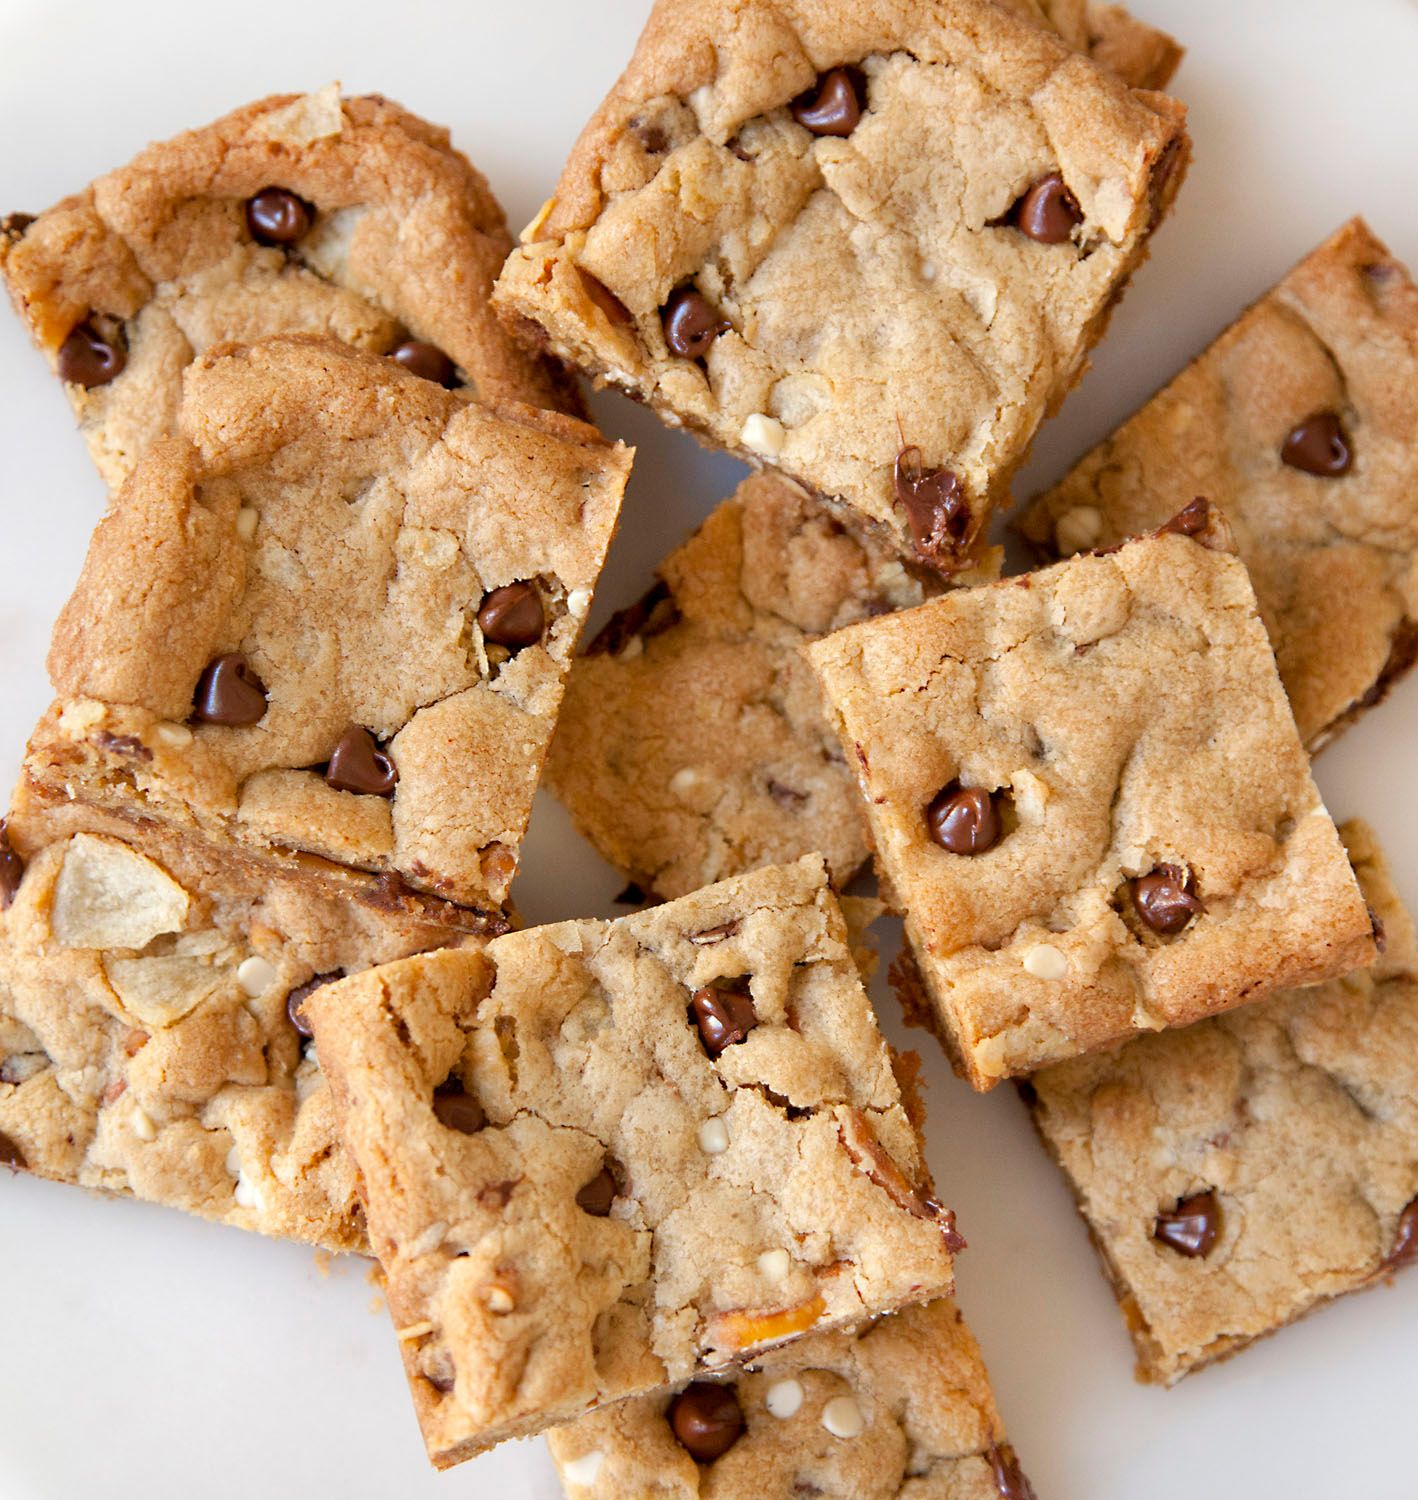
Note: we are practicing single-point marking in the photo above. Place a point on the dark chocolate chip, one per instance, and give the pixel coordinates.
(1405, 1239)
(128, 745)
(598, 1194)
(1010, 1479)
(935, 504)
(724, 1013)
(1166, 899)
(1191, 520)
(707, 1419)
(964, 819)
(13, 226)
(458, 1110)
(10, 1153)
(632, 895)
(1320, 446)
(512, 616)
(691, 323)
(1380, 932)
(12, 868)
(88, 359)
(277, 217)
(834, 105)
(1192, 1227)
(718, 934)
(229, 692)
(298, 996)
(1047, 212)
(426, 360)
(357, 764)
(648, 617)
(599, 293)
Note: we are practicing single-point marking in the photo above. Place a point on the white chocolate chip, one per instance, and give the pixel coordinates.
(763, 435)
(174, 736)
(247, 1195)
(1078, 529)
(713, 1137)
(774, 1265)
(927, 270)
(413, 1331)
(142, 1123)
(578, 601)
(583, 1470)
(784, 1399)
(842, 1417)
(246, 519)
(256, 975)
(1044, 961)
(684, 781)
(498, 1298)
(633, 647)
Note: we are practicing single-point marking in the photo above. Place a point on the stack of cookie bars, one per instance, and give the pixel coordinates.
(657, 1184)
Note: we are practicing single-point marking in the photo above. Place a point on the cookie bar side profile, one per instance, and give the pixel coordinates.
(333, 616)
(1089, 801)
(753, 150)
(1242, 1172)
(603, 1158)
(298, 213)
(1299, 422)
(151, 1041)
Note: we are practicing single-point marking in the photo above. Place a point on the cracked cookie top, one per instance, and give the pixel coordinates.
(868, 244)
(1087, 794)
(332, 616)
(603, 1157)
(299, 213)
(1240, 1172)
(1299, 421)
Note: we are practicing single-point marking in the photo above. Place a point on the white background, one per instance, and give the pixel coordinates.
(146, 1354)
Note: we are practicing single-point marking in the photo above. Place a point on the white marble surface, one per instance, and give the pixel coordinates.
(145, 1354)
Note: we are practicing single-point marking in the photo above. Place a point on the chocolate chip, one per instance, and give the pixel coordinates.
(512, 616)
(1166, 900)
(964, 819)
(598, 1194)
(357, 764)
(834, 106)
(13, 226)
(718, 934)
(724, 1013)
(1047, 212)
(691, 323)
(88, 359)
(935, 504)
(277, 217)
(1010, 1479)
(298, 996)
(599, 293)
(648, 617)
(1405, 1239)
(10, 1153)
(229, 692)
(458, 1110)
(632, 895)
(1191, 520)
(1192, 1227)
(128, 745)
(707, 1419)
(427, 361)
(1318, 446)
(12, 867)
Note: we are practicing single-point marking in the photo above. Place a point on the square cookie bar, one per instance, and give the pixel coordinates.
(899, 1409)
(692, 744)
(297, 214)
(603, 1158)
(333, 616)
(1088, 798)
(150, 1036)
(1300, 422)
(1244, 1171)
(869, 245)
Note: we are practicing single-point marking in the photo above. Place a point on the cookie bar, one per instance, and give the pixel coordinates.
(747, 238)
(1141, 55)
(297, 214)
(1244, 1171)
(333, 616)
(603, 1158)
(150, 1036)
(692, 743)
(1088, 798)
(899, 1409)
(1299, 422)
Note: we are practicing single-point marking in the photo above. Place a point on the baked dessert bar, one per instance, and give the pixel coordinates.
(151, 1041)
(604, 1158)
(900, 1409)
(332, 615)
(297, 214)
(1299, 421)
(869, 246)
(1239, 1173)
(692, 743)
(1088, 798)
